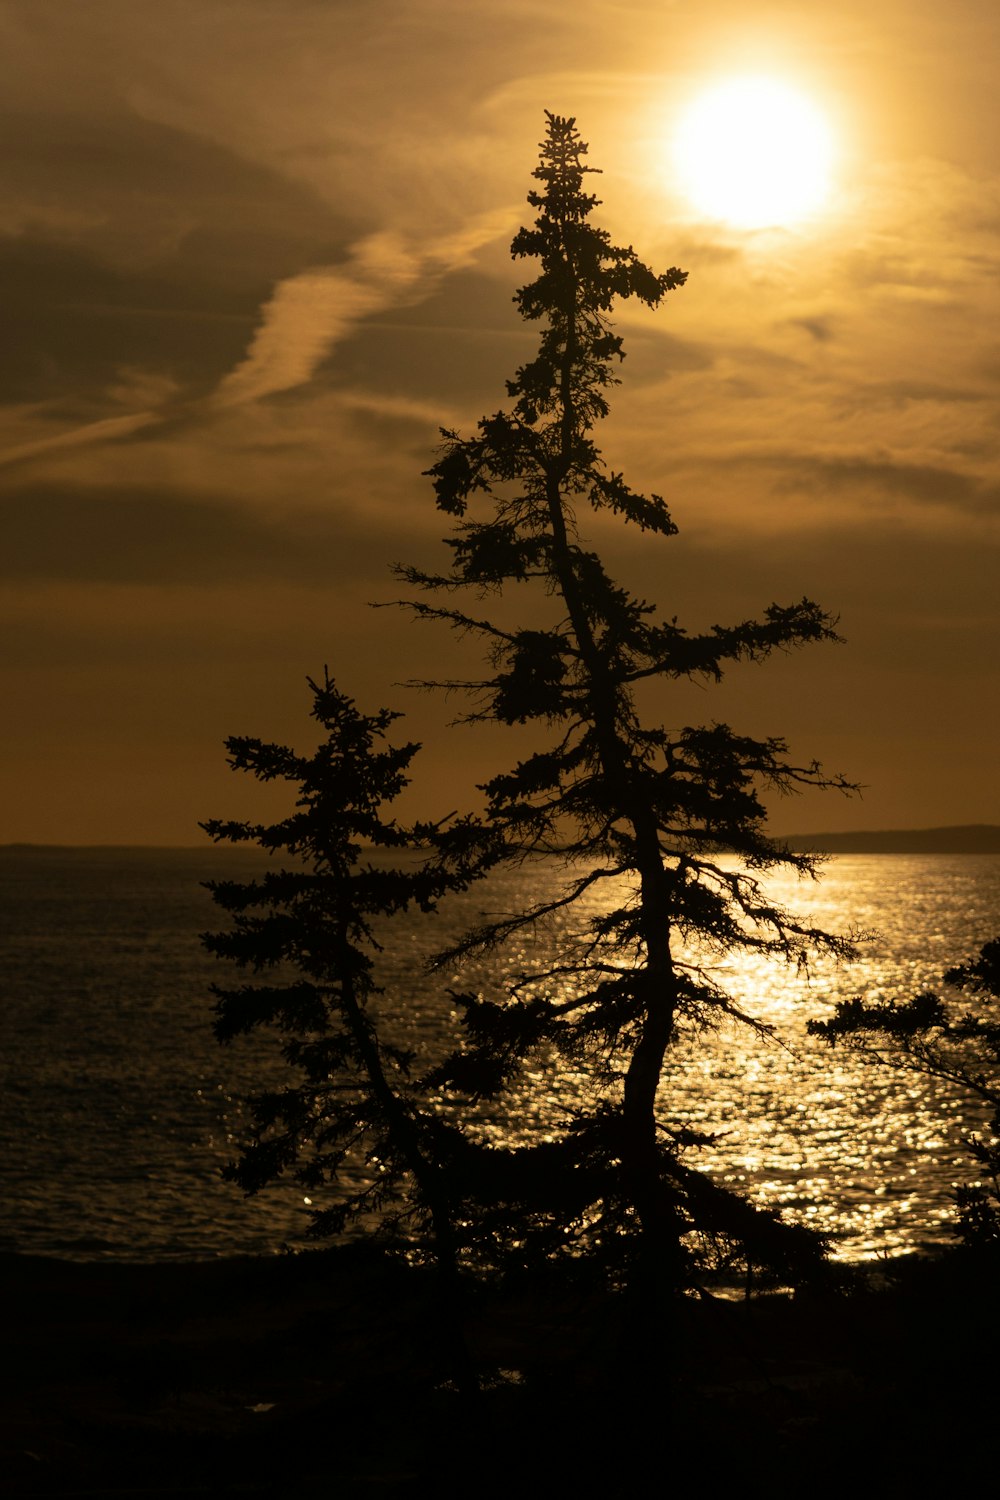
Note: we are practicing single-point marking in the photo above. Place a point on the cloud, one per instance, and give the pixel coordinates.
(781, 488)
(926, 484)
(149, 535)
(308, 314)
(109, 429)
(818, 328)
(305, 318)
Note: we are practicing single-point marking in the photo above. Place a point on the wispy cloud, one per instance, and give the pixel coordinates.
(305, 318)
(309, 314)
(108, 430)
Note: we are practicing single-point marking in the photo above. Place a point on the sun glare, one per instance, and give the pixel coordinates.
(754, 152)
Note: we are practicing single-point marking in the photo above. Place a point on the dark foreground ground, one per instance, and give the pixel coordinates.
(318, 1375)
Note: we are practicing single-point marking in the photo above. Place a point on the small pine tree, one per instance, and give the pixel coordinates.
(942, 1038)
(636, 810)
(355, 1115)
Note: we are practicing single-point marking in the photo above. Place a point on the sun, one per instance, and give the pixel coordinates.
(754, 152)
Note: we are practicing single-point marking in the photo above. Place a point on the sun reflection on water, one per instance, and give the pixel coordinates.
(868, 1156)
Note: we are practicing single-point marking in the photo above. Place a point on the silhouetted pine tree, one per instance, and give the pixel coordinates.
(351, 1130)
(637, 812)
(955, 1039)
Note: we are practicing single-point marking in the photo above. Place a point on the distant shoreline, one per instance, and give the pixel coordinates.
(965, 838)
(969, 838)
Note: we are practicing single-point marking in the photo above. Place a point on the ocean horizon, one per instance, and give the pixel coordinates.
(951, 838)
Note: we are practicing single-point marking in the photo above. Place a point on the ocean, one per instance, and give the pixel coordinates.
(118, 1108)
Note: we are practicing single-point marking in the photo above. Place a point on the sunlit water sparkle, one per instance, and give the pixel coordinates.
(118, 1108)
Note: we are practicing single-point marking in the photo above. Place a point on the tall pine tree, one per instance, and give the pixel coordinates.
(641, 818)
(637, 811)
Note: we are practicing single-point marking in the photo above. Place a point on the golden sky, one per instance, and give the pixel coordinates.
(256, 253)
